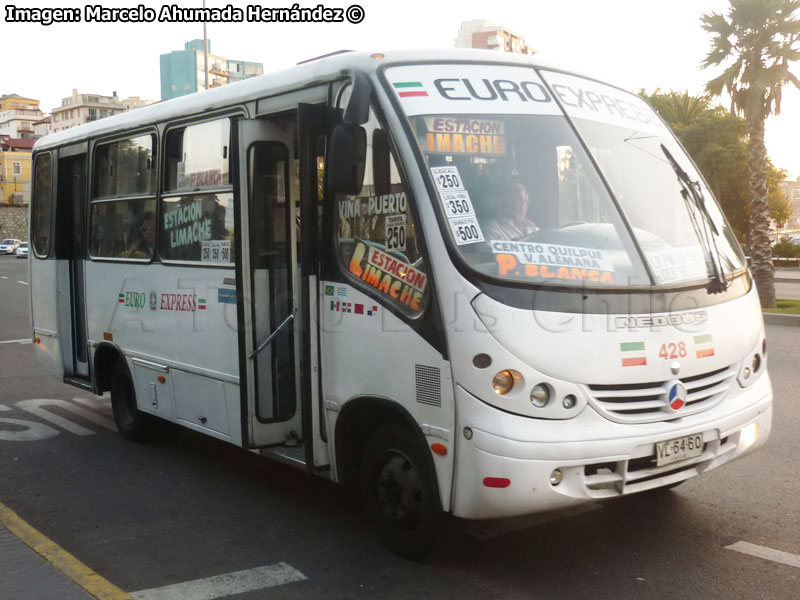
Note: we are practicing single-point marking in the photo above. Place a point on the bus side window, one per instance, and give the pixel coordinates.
(376, 234)
(123, 193)
(42, 204)
(197, 222)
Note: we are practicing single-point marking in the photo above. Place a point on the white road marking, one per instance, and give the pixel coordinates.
(3, 277)
(26, 341)
(784, 558)
(23, 282)
(228, 584)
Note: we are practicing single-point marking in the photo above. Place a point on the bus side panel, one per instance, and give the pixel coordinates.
(182, 319)
(44, 314)
(369, 352)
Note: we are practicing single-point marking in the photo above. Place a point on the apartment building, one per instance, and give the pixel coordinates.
(486, 35)
(183, 71)
(15, 169)
(791, 189)
(84, 108)
(18, 116)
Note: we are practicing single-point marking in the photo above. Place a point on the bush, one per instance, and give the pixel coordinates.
(786, 249)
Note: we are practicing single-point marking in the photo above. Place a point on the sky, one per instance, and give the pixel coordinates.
(636, 44)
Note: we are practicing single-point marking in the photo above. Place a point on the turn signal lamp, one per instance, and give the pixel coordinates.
(503, 382)
(439, 449)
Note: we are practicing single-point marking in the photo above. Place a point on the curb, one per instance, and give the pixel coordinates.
(787, 279)
(779, 319)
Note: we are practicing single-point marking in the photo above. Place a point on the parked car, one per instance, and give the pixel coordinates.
(9, 246)
(22, 250)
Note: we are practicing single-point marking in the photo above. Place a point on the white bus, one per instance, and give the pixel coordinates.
(476, 285)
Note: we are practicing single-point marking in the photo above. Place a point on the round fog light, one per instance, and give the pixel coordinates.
(540, 395)
(569, 402)
(503, 382)
(556, 477)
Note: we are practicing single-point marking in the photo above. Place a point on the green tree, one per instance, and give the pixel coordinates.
(757, 39)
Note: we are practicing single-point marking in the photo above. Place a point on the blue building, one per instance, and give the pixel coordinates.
(183, 71)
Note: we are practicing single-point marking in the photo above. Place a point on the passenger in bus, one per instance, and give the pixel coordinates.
(512, 221)
(143, 248)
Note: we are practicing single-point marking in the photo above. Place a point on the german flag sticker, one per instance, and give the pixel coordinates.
(633, 354)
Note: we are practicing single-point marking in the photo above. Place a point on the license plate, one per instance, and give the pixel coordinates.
(679, 449)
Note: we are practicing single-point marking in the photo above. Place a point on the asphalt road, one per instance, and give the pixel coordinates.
(185, 507)
(788, 291)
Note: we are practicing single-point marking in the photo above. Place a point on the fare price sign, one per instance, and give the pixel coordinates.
(457, 206)
(395, 230)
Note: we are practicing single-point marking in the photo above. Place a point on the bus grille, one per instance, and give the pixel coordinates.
(647, 402)
(429, 385)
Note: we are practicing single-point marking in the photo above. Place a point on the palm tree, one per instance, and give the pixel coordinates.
(758, 39)
(679, 109)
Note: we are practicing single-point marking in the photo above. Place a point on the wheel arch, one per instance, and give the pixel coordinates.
(106, 357)
(357, 419)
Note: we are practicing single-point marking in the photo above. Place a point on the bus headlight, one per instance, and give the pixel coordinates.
(750, 370)
(503, 382)
(540, 395)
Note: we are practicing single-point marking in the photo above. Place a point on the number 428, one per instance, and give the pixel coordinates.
(672, 351)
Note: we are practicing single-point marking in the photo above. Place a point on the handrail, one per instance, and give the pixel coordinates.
(272, 335)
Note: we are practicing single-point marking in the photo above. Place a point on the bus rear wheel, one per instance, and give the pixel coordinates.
(400, 493)
(131, 422)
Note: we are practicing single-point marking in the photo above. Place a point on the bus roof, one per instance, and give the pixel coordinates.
(324, 69)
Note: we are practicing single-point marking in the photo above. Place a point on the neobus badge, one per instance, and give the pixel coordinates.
(674, 319)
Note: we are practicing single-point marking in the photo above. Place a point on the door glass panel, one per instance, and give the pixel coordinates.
(271, 222)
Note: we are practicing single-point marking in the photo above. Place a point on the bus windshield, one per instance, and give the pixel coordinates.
(524, 200)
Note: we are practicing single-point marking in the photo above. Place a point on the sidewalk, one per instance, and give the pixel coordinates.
(33, 566)
(27, 575)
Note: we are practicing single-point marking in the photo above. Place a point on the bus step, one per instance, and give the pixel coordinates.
(290, 455)
(80, 382)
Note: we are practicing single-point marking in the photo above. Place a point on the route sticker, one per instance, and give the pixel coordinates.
(457, 206)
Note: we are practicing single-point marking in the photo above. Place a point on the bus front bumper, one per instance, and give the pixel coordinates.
(529, 465)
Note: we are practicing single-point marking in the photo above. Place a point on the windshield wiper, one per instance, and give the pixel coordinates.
(695, 202)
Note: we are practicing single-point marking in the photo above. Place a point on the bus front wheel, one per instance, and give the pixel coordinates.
(400, 493)
(129, 419)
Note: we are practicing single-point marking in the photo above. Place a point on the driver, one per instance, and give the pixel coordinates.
(511, 222)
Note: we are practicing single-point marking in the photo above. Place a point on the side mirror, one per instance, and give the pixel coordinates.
(347, 157)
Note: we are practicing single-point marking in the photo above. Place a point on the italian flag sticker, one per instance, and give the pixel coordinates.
(408, 89)
(703, 345)
(633, 354)
(122, 298)
(201, 303)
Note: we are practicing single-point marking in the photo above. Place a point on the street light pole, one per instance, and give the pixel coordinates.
(205, 46)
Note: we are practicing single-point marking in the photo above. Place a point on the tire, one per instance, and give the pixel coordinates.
(400, 492)
(131, 422)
